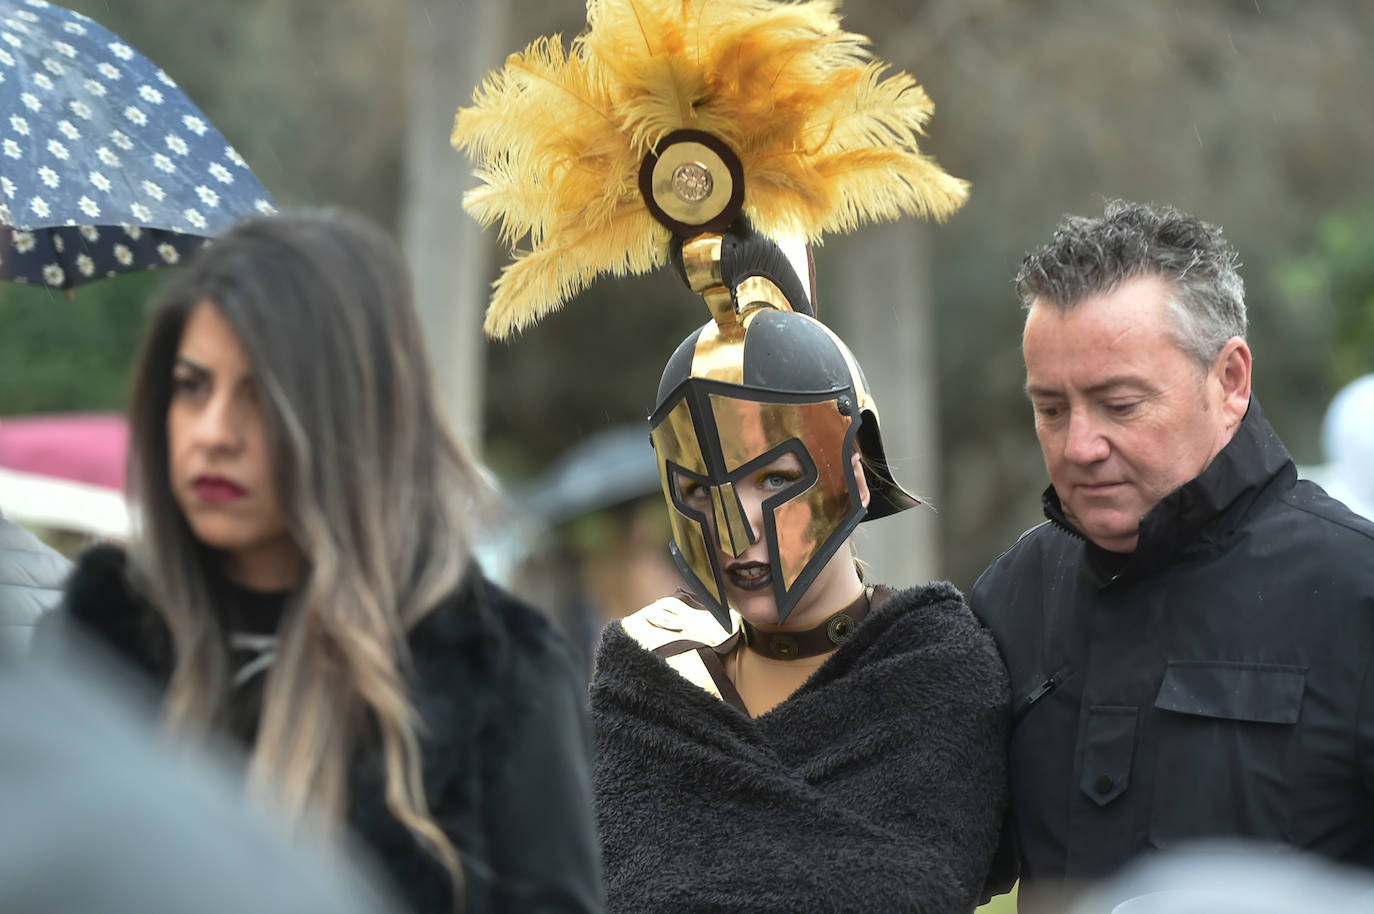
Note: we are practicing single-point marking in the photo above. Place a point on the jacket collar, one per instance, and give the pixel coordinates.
(1202, 511)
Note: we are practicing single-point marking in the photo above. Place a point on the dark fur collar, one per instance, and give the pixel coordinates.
(101, 598)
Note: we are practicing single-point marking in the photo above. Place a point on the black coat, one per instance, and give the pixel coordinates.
(878, 786)
(1215, 683)
(505, 753)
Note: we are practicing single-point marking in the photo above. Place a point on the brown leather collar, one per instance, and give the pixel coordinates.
(822, 639)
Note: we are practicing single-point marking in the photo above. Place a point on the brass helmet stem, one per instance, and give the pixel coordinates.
(701, 264)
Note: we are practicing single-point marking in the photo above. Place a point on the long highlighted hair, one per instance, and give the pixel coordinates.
(374, 487)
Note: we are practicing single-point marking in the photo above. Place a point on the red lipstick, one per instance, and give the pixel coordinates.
(217, 489)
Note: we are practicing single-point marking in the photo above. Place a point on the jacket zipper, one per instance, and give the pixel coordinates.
(1037, 693)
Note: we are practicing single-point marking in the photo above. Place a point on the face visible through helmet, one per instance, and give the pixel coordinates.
(756, 433)
(748, 576)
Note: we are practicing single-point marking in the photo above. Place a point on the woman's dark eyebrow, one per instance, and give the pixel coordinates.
(197, 368)
(201, 371)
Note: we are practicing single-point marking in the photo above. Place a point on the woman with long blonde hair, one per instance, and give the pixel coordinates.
(303, 578)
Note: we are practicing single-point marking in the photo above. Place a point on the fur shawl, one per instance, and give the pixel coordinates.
(879, 785)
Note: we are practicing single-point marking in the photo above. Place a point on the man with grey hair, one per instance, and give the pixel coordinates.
(1190, 635)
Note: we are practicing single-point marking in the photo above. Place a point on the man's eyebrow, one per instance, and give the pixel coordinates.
(1103, 386)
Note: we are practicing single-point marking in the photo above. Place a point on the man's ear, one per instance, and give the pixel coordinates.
(1231, 368)
(857, 462)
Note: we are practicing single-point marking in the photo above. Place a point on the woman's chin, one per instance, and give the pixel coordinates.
(756, 608)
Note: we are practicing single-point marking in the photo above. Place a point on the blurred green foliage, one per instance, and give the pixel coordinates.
(62, 353)
(1333, 286)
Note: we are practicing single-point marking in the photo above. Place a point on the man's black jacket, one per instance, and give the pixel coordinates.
(1215, 682)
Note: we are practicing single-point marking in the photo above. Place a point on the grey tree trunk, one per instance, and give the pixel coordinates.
(875, 293)
(453, 44)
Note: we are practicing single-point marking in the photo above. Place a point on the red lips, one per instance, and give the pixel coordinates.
(217, 489)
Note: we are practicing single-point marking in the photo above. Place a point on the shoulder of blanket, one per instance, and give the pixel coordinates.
(670, 620)
(667, 620)
(940, 614)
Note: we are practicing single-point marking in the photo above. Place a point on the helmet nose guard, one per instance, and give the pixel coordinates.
(733, 530)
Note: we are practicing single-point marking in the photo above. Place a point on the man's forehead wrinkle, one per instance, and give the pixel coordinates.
(1121, 337)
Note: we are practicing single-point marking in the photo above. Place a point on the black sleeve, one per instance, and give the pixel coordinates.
(1006, 863)
(541, 834)
(100, 612)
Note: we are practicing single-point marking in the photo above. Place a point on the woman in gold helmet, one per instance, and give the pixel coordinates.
(784, 736)
(780, 736)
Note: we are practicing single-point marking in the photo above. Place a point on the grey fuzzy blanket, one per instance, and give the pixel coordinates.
(879, 786)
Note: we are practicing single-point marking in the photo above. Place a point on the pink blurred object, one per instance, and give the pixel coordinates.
(81, 447)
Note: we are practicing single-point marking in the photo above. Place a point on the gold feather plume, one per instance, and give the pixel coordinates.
(826, 137)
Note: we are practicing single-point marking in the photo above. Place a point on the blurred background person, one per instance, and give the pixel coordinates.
(1228, 877)
(31, 577)
(590, 531)
(302, 577)
(1348, 442)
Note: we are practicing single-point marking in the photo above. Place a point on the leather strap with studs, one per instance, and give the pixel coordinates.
(821, 639)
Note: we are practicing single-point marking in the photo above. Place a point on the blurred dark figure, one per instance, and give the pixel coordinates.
(1190, 635)
(31, 576)
(98, 815)
(303, 579)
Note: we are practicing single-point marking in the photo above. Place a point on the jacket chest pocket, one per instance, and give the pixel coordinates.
(1224, 739)
(1108, 747)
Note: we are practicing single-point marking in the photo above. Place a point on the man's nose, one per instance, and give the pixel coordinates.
(1085, 442)
(733, 528)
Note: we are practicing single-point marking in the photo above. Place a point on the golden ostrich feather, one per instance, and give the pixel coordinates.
(827, 137)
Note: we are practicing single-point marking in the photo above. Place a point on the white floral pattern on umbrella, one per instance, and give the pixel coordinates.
(105, 165)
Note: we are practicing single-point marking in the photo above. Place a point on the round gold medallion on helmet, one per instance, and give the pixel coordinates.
(692, 182)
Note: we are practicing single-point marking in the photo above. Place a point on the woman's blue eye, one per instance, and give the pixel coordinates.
(778, 479)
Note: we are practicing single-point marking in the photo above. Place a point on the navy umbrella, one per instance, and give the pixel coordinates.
(105, 165)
